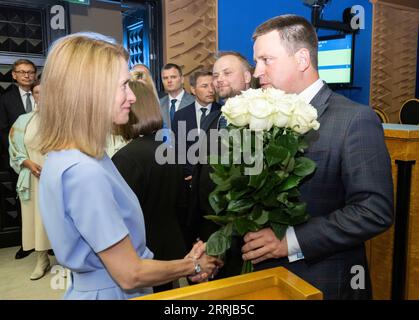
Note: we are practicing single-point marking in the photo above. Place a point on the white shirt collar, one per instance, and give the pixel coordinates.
(310, 92)
(198, 107)
(23, 92)
(178, 97)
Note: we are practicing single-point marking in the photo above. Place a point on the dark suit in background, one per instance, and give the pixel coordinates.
(188, 115)
(349, 197)
(11, 107)
(187, 99)
(160, 190)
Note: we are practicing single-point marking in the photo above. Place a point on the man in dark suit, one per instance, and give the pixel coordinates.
(191, 118)
(232, 74)
(16, 101)
(350, 195)
(176, 98)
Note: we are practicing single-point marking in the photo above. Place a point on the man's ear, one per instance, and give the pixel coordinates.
(247, 77)
(14, 75)
(182, 79)
(302, 57)
(193, 90)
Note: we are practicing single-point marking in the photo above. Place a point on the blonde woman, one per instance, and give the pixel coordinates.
(26, 160)
(93, 219)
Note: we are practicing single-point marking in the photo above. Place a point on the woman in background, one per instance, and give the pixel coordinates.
(159, 188)
(93, 219)
(26, 160)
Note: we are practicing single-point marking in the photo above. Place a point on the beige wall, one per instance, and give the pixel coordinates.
(105, 18)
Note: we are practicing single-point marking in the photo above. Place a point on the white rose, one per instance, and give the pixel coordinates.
(303, 118)
(273, 94)
(252, 93)
(260, 111)
(284, 110)
(235, 111)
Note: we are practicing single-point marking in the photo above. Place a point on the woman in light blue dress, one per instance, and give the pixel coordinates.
(93, 219)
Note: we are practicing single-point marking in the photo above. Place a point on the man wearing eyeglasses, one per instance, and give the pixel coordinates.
(16, 101)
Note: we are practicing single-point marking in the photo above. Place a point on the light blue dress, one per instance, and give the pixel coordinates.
(87, 207)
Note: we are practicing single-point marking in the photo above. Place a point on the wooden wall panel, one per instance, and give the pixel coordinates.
(190, 38)
(394, 55)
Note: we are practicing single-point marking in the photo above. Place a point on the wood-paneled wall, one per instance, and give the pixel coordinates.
(190, 38)
(394, 54)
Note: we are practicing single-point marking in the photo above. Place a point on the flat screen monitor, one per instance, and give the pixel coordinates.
(336, 57)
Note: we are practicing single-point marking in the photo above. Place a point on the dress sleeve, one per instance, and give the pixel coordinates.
(90, 203)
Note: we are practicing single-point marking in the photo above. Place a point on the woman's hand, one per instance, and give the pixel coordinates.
(208, 265)
(33, 167)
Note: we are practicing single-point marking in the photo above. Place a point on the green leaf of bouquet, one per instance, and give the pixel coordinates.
(240, 205)
(288, 141)
(298, 209)
(263, 218)
(290, 165)
(218, 243)
(271, 199)
(244, 225)
(291, 182)
(257, 181)
(304, 166)
(302, 144)
(299, 219)
(275, 154)
(217, 201)
(279, 215)
(279, 230)
(283, 198)
(240, 182)
(223, 220)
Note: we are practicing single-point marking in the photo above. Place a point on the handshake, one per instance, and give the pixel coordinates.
(206, 267)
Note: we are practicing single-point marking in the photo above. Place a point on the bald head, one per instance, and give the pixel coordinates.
(231, 75)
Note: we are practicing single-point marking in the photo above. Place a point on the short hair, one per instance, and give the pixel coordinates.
(146, 109)
(79, 83)
(193, 78)
(295, 31)
(171, 66)
(238, 55)
(23, 61)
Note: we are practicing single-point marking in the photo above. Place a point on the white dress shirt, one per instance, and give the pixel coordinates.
(294, 249)
(23, 96)
(178, 99)
(198, 112)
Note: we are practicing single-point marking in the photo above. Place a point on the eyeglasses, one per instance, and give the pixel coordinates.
(22, 73)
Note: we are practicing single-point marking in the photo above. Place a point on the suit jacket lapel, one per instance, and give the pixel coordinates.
(321, 100)
(215, 113)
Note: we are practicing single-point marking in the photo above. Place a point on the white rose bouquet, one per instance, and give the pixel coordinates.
(265, 126)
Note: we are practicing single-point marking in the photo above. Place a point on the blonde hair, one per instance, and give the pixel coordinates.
(79, 83)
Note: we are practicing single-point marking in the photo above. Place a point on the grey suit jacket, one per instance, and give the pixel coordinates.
(187, 99)
(349, 197)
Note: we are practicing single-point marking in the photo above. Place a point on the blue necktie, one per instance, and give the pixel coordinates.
(204, 111)
(172, 109)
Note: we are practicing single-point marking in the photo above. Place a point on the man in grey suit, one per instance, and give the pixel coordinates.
(176, 98)
(350, 195)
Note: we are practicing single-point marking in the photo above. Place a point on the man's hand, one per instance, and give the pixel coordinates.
(263, 245)
(33, 167)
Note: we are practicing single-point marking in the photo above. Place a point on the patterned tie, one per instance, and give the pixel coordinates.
(28, 102)
(172, 109)
(204, 111)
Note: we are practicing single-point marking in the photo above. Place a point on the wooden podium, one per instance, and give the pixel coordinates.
(393, 255)
(271, 284)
